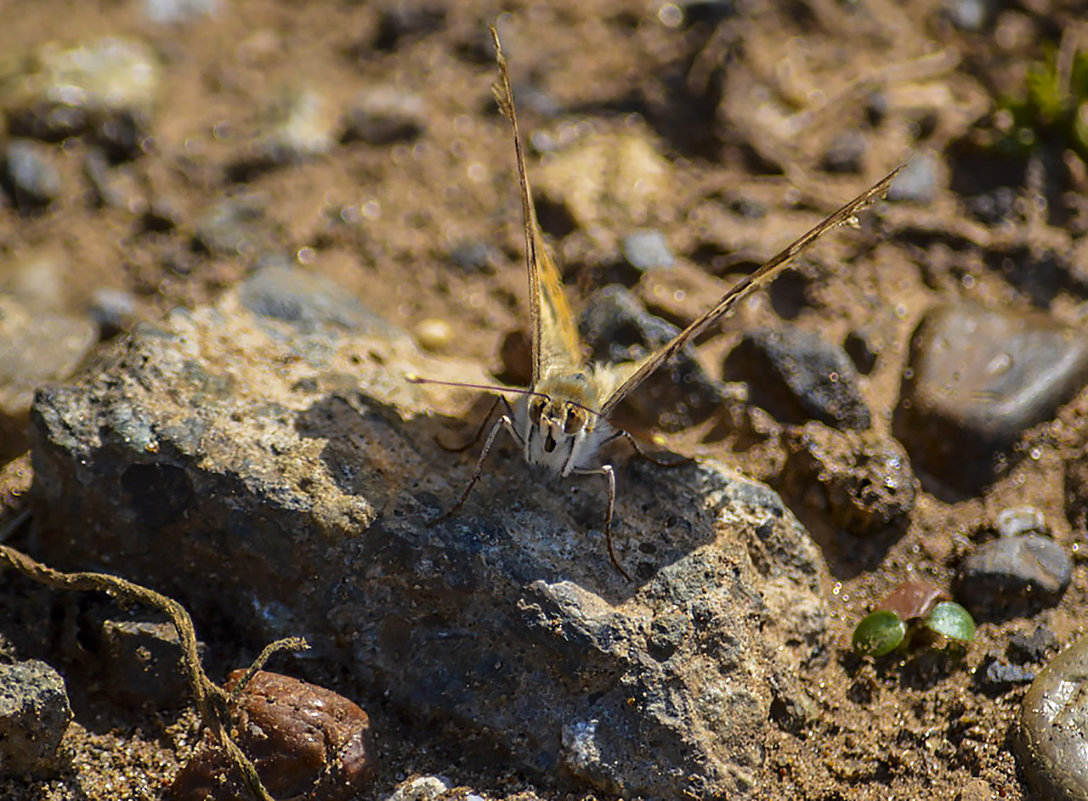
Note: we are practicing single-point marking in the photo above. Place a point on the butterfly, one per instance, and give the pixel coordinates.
(563, 420)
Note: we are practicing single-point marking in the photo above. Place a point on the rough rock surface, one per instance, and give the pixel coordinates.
(34, 713)
(266, 461)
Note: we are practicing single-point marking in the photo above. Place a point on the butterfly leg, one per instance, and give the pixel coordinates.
(610, 476)
(479, 430)
(504, 422)
(639, 450)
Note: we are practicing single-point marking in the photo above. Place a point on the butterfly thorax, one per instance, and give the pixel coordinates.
(557, 424)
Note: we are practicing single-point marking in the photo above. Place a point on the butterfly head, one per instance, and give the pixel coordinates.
(559, 428)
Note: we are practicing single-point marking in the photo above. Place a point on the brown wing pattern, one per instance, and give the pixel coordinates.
(742, 288)
(556, 346)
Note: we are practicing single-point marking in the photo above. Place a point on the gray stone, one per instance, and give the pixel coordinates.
(296, 125)
(976, 380)
(34, 714)
(284, 477)
(1053, 741)
(647, 249)
(917, 183)
(617, 328)
(29, 176)
(797, 376)
(474, 256)
(237, 226)
(107, 87)
(996, 677)
(970, 15)
(846, 153)
(1010, 574)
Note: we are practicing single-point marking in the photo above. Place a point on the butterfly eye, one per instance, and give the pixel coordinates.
(536, 410)
(576, 420)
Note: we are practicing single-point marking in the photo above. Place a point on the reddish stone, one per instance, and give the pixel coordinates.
(308, 744)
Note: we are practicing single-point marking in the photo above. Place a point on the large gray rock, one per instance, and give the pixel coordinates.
(266, 461)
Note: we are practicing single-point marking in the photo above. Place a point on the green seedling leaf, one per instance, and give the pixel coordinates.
(951, 620)
(879, 633)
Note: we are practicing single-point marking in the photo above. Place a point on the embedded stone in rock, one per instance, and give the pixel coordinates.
(1013, 574)
(618, 329)
(34, 714)
(976, 380)
(278, 473)
(797, 376)
(1053, 741)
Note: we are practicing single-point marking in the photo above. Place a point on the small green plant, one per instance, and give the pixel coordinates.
(911, 607)
(1053, 104)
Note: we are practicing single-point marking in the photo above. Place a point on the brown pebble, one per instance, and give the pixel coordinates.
(308, 744)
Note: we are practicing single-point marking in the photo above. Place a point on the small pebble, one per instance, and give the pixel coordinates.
(297, 126)
(917, 183)
(420, 788)
(970, 15)
(113, 310)
(433, 334)
(1053, 736)
(34, 714)
(797, 376)
(646, 249)
(995, 676)
(846, 153)
(382, 115)
(996, 206)
(172, 12)
(1019, 520)
(68, 92)
(1012, 573)
(29, 176)
(474, 256)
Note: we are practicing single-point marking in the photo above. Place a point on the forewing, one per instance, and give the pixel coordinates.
(766, 272)
(556, 346)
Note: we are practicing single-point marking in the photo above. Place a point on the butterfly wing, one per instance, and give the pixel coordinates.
(556, 346)
(766, 272)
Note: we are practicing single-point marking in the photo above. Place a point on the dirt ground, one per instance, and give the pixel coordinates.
(741, 103)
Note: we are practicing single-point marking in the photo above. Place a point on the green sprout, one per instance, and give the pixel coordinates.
(1053, 103)
(911, 607)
